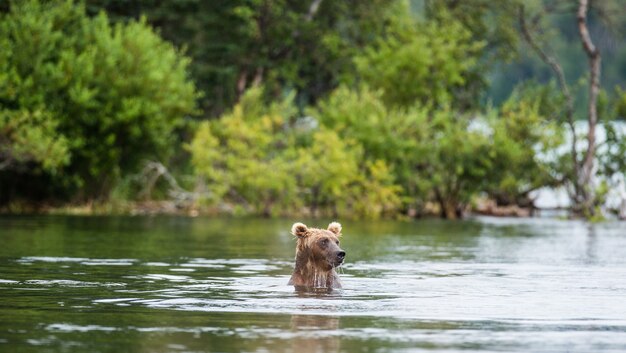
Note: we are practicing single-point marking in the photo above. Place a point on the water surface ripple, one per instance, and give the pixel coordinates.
(195, 285)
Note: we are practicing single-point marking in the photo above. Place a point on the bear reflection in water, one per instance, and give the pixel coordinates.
(315, 333)
(317, 256)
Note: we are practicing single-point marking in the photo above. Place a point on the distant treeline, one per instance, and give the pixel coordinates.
(352, 108)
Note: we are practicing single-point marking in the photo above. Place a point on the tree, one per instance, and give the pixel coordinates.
(304, 46)
(487, 21)
(583, 168)
(586, 200)
(423, 62)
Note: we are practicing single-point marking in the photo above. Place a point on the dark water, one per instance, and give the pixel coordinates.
(164, 284)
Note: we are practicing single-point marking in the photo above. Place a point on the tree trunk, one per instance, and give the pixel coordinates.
(583, 195)
(242, 81)
(588, 164)
(450, 210)
(448, 206)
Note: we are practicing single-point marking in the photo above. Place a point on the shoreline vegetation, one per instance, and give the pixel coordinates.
(482, 207)
(367, 109)
(171, 208)
(168, 207)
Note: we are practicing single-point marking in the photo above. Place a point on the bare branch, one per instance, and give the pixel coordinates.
(313, 8)
(594, 89)
(315, 5)
(581, 15)
(242, 82)
(560, 75)
(155, 170)
(556, 67)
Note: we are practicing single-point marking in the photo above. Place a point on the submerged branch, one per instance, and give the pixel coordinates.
(153, 171)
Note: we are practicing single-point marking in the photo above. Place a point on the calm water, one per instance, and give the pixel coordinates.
(165, 284)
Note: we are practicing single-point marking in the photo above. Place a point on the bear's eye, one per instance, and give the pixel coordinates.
(337, 242)
(324, 242)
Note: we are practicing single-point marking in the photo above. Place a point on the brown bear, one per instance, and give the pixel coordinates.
(317, 255)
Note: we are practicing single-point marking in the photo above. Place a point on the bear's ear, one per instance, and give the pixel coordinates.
(299, 229)
(335, 227)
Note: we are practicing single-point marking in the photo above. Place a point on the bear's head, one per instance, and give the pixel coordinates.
(319, 247)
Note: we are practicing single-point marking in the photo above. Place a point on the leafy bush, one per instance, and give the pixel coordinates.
(262, 157)
(525, 147)
(458, 162)
(242, 154)
(115, 94)
(31, 137)
(391, 135)
(446, 157)
(432, 155)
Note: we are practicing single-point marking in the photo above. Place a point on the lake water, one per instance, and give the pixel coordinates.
(169, 284)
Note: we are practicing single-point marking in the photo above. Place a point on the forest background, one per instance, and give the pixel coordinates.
(381, 108)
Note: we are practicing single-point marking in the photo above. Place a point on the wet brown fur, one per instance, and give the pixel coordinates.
(317, 256)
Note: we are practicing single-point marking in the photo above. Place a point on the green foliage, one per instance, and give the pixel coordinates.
(85, 97)
(487, 21)
(392, 135)
(432, 155)
(620, 104)
(286, 45)
(611, 156)
(258, 156)
(547, 97)
(458, 163)
(611, 161)
(240, 155)
(291, 50)
(447, 157)
(422, 62)
(31, 137)
(325, 168)
(375, 192)
(553, 24)
(114, 93)
(505, 155)
(525, 144)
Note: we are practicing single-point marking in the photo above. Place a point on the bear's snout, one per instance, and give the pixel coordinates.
(340, 256)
